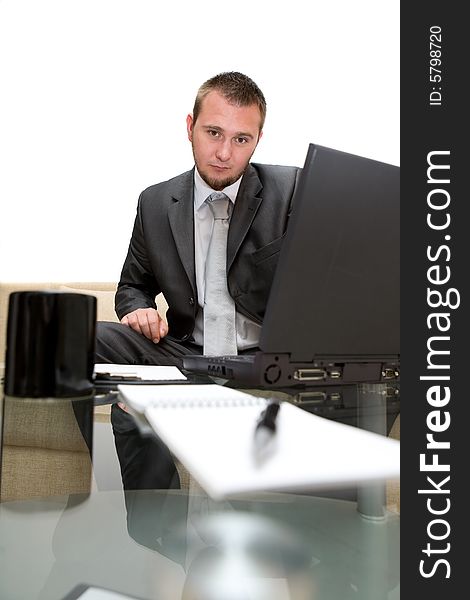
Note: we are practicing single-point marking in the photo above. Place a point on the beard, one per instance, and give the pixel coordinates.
(217, 184)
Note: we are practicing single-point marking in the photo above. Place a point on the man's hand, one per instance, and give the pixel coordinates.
(148, 322)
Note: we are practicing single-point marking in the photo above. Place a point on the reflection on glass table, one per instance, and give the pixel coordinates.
(157, 544)
(178, 543)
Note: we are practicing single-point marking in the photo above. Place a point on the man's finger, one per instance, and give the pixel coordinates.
(133, 321)
(153, 321)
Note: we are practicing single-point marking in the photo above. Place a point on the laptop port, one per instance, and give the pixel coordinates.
(334, 374)
(390, 373)
(309, 374)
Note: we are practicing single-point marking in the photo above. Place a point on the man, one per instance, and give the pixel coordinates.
(171, 237)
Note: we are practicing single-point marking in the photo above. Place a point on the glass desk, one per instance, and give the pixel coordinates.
(65, 519)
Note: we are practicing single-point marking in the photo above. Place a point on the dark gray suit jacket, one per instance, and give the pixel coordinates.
(161, 251)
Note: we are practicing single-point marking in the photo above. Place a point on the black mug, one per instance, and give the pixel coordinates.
(50, 345)
(47, 430)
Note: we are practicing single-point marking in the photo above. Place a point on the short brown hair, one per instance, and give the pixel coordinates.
(236, 88)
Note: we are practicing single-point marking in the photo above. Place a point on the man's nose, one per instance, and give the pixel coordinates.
(224, 150)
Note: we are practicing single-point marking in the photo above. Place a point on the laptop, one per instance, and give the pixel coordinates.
(333, 313)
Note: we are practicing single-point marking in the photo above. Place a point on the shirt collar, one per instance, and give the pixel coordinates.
(202, 190)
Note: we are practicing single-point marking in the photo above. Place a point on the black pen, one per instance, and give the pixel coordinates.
(266, 426)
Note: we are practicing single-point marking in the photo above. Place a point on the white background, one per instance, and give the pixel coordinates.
(94, 96)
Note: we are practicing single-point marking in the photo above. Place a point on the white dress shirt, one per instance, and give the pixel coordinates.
(248, 331)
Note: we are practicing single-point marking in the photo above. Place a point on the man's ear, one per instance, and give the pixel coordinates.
(189, 127)
(260, 135)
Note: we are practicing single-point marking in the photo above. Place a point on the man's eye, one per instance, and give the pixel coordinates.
(241, 140)
(213, 133)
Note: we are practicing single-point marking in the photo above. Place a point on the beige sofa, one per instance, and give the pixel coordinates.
(104, 293)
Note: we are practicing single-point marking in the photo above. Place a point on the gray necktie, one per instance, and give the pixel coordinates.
(219, 308)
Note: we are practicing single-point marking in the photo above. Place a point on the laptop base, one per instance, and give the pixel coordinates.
(271, 370)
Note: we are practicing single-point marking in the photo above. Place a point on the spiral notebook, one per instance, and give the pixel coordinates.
(210, 429)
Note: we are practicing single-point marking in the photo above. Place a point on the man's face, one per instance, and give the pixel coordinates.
(223, 138)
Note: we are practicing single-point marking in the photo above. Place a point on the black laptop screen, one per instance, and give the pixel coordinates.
(336, 290)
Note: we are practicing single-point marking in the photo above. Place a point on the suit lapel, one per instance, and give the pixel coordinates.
(181, 218)
(244, 212)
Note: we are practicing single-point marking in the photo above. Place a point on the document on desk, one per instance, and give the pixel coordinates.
(139, 372)
(212, 429)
